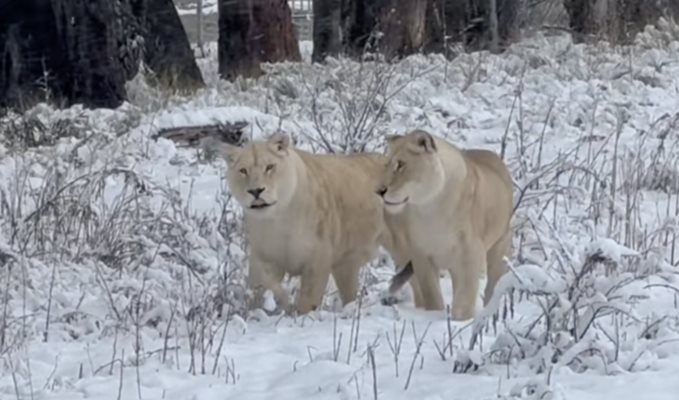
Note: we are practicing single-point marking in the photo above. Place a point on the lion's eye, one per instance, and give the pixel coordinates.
(243, 171)
(399, 165)
(270, 167)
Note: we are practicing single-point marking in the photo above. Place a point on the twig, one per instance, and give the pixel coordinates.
(120, 378)
(395, 346)
(221, 342)
(49, 303)
(167, 334)
(418, 341)
(371, 358)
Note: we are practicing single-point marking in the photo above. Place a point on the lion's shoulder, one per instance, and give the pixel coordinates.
(488, 162)
(342, 167)
(346, 180)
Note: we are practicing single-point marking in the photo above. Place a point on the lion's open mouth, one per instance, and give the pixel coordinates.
(260, 205)
(398, 203)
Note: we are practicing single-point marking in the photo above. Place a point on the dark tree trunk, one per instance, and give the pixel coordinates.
(353, 27)
(83, 51)
(252, 32)
(359, 25)
(65, 51)
(277, 40)
(167, 51)
(581, 18)
(469, 22)
(621, 20)
(397, 28)
(635, 15)
(326, 29)
(403, 27)
(237, 53)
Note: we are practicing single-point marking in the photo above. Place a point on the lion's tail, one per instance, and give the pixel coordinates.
(401, 278)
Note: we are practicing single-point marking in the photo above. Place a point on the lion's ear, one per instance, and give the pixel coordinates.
(280, 142)
(425, 141)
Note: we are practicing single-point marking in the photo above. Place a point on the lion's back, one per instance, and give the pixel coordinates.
(347, 176)
(494, 174)
(344, 187)
(493, 195)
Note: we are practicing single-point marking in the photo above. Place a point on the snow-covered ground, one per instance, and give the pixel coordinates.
(122, 259)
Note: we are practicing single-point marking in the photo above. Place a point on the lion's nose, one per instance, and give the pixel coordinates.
(256, 192)
(382, 191)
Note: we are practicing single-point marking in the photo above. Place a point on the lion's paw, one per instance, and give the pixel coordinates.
(467, 361)
(389, 299)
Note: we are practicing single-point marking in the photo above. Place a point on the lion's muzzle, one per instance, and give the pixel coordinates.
(256, 192)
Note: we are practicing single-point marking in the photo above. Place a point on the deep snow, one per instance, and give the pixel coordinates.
(151, 240)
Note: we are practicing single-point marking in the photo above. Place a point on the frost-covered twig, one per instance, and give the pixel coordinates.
(395, 344)
(419, 341)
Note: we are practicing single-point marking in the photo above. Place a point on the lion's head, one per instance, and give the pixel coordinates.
(261, 174)
(414, 173)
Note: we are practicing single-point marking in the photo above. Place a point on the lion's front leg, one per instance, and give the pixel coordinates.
(468, 266)
(418, 297)
(315, 276)
(427, 285)
(263, 276)
(346, 273)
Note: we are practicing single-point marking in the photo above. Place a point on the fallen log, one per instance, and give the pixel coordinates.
(191, 136)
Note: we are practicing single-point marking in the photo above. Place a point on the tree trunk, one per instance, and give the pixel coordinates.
(402, 25)
(66, 51)
(476, 29)
(199, 28)
(493, 26)
(394, 28)
(397, 28)
(353, 27)
(83, 51)
(446, 22)
(359, 26)
(326, 29)
(635, 15)
(252, 32)
(167, 51)
(616, 20)
(581, 18)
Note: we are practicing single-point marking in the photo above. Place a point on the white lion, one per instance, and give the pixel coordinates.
(308, 215)
(457, 206)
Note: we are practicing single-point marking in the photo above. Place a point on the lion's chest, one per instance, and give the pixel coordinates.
(287, 246)
(433, 236)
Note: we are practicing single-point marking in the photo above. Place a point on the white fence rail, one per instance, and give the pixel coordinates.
(300, 6)
(205, 29)
(302, 17)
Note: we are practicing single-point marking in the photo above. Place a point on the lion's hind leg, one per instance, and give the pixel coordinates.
(466, 274)
(346, 272)
(496, 264)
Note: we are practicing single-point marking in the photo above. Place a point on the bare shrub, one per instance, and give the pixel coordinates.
(358, 92)
(62, 218)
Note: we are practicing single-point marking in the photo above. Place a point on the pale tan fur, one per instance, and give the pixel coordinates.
(456, 207)
(324, 217)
